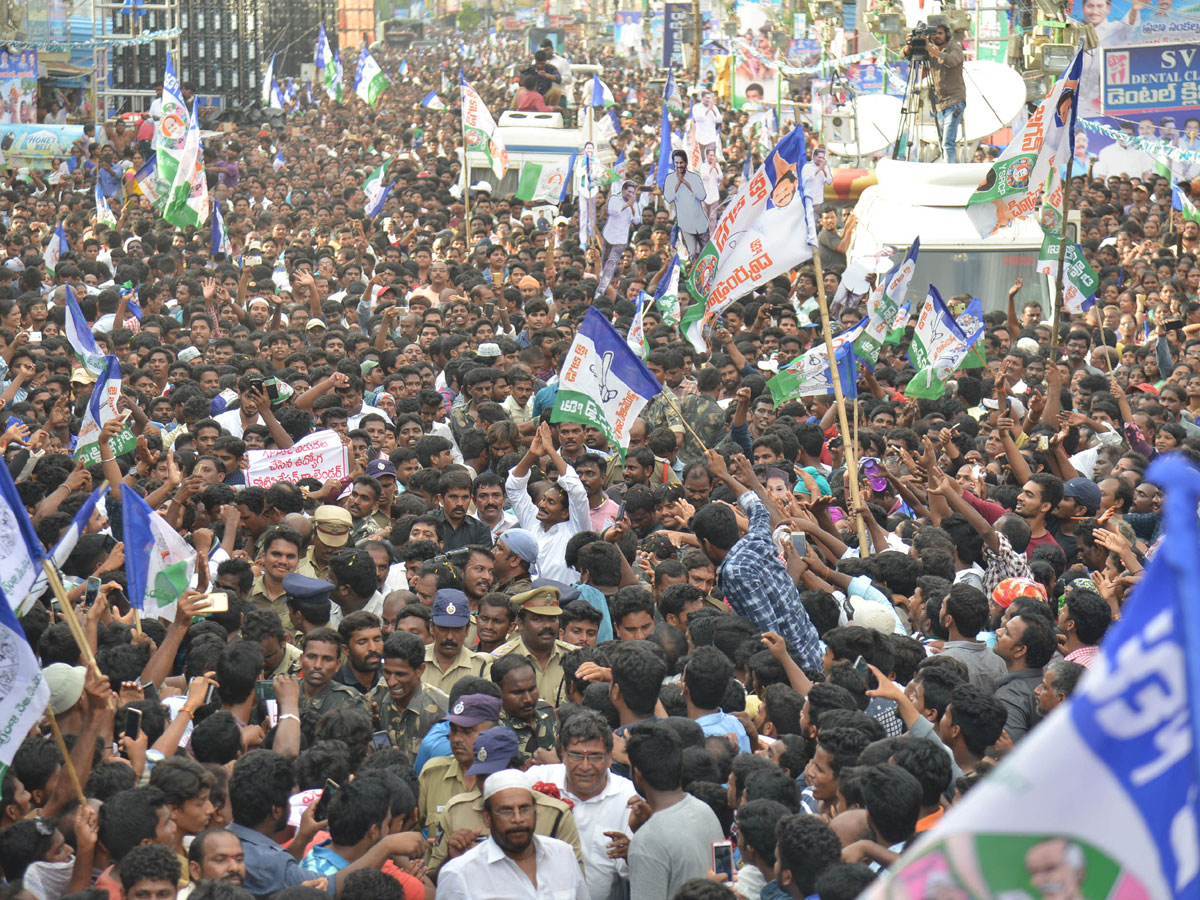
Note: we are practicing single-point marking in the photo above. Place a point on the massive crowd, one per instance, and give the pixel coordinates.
(506, 659)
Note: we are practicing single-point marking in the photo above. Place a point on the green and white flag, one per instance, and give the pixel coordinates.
(100, 409)
(543, 181)
(691, 326)
(159, 564)
(187, 203)
(104, 213)
(666, 296)
(369, 80)
(334, 78)
(884, 304)
(480, 133)
(1079, 278)
(938, 347)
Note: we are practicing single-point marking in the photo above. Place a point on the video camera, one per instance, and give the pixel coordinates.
(918, 41)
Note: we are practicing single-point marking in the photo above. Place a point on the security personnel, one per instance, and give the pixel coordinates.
(447, 659)
(331, 532)
(406, 709)
(516, 677)
(462, 821)
(320, 656)
(444, 776)
(537, 637)
(309, 602)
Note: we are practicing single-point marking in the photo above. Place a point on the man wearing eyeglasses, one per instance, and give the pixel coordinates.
(600, 797)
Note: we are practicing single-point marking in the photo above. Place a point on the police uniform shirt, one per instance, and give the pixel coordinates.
(533, 736)
(549, 678)
(441, 779)
(468, 663)
(407, 727)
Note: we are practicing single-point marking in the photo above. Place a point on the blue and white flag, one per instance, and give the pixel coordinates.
(1183, 203)
(26, 694)
(666, 295)
(1100, 800)
(602, 94)
(403, 67)
(290, 94)
(323, 56)
(603, 383)
(80, 337)
(673, 97)
(70, 538)
(884, 304)
(308, 92)
(636, 338)
(809, 375)
(369, 79)
(664, 149)
(376, 191)
(938, 347)
(21, 552)
(278, 162)
(101, 408)
(218, 241)
(55, 248)
(277, 99)
(747, 167)
(159, 564)
(268, 83)
(433, 101)
(104, 213)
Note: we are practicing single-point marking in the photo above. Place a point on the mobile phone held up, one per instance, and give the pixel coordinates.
(722, 859)
(91, 592)
(321, 810)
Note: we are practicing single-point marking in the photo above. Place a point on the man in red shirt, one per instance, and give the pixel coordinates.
(528, 98)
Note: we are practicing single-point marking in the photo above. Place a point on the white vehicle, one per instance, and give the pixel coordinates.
(929, 200)
(531, 137)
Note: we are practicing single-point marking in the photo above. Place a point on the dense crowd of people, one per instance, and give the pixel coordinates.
(504, 658)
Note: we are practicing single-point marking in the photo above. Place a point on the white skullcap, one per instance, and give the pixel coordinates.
(505, 779)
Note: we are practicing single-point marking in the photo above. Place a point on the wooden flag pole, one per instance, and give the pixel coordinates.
(670, 397)
(66, 755)
(851, 457)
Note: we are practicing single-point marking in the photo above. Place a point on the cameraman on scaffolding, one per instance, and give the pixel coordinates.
(946, 71)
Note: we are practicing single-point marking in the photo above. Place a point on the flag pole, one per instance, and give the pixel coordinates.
(851, 457)
(1062, 255)
(66, 755)
(670, 398)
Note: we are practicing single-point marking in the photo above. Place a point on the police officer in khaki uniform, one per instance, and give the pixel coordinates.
(405, 708)
(444, 777)
(537, 637)
(461, 824)
(447, 659)
(534, 727)
(320, 656)
(331, 532)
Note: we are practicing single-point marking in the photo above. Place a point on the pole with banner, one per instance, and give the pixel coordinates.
(851, 457)
(1062, 254)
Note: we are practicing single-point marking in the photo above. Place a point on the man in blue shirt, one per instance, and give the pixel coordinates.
(705, 681)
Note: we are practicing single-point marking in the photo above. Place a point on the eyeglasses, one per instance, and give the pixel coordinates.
(595, 759)
(509, 813)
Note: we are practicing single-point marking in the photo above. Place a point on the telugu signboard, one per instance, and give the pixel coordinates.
(321, 455)
(1151, 79)
(677, 21)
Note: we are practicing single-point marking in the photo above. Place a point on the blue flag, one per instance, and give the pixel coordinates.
(21, 552)
(1100, 799)
(664, 148)
(70, 538)
(218, 241)
(26, 694)
(158, 562)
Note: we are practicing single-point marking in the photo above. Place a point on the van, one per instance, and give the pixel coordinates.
(532, 137)
(928, 200)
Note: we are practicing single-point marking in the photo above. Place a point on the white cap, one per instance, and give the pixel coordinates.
(482, 185)
(872, 615)
(505, 779)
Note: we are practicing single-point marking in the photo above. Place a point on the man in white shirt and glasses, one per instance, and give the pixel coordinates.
(600, 797)
(513, 863)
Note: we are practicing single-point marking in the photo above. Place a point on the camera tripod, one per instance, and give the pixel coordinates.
(908, 136)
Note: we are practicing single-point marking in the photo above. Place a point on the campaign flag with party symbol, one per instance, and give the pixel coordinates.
(938, 347)
(479, 129)
(884, 305)
(101, 408)
(809, 375)
(159, 563)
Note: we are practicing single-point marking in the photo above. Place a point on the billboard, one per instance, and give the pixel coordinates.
(1151, 79)
(678, 19)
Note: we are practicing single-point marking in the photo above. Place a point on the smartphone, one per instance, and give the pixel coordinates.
(133, 724)
(215, 603)
(210, 695)
(265, 689)
(92, 592)
(149, 689)
(381, 741)
(1043, 442)
(620, 511)
(860, 666)
(722, 859)
(800, 543)
(35, 337)
(322, 808)
(271, 389)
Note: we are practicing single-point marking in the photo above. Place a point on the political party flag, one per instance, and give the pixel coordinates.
(104, 213)
(170, 129)
(26, 694)
(159, 564)
(603, 383)
(1080, 280)
(323, 56)
(1162, 168)
(218, 241)
(403, 68)
(278, 162)
(602, 94)
(767, 229)
(70, 538)
(55, 248)
(376, 192)
(268, 83)
(277, 99)
(1120, 820)
(369, 80)
(636, 338)
(691, 326)
(100, 409)
(883, 305)
(938, 347)
(1183, 203)
(666, 295)
(433, 101)
(334, 78)
(1013, 185)
(673, 96)
(620, 166)
(808, 375)
(479, 129)
(146, 182)
(308, 92)
(188, 202)
(80, 337)
(543, 181)
(747, 167)
(664, 149)
(20, 550)
(608, 126)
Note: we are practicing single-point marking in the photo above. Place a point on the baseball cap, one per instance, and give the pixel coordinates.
(381, 468)
(368, 365)
(541, 601)
(333, 525)
(522, 543)
(82, 376)
(471, 709)
(313, 323)
(451, 609)
(870, 614)
(1085, 491)
(66, 685)
(494, 750)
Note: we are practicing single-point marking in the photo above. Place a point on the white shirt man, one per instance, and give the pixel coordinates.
(706, 118)
(816, 175)
(623, 213)
(685, 191)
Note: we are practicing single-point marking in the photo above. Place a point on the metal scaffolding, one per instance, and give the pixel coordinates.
(130, 43)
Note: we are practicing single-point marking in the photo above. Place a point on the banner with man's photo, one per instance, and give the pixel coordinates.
(18, 87)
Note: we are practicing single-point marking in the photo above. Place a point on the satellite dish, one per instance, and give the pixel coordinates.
(878, 122)
(995, 95)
